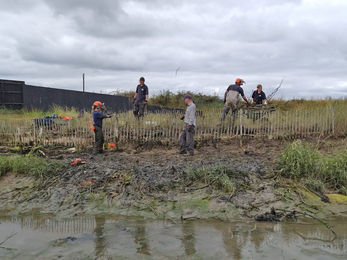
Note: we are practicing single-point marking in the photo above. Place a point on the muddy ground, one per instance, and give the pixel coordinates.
(156, 183)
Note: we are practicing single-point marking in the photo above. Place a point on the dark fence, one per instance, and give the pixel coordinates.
(17, 95)
(44, 98)
(11, 94)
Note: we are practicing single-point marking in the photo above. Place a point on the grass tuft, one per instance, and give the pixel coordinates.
(317, 171)
(298, 160)
(217, 177)
(4, 165)
(33, 166)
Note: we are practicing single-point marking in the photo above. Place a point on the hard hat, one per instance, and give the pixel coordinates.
(240, 81)
(97, 104)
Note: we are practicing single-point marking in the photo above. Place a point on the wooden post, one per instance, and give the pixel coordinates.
(277, 122)
(20, 140)
(333, 120)
(326, 121)
(269, 123)
(315, 126)
(241, 132)
(116, 134)
(292, 123)
(35, 135)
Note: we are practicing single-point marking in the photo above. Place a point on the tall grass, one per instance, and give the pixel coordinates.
(298, 160)
(33, 166)
(167, 98)
(205, 102)
(12, 119)
(308, 103)
(316, 170)
(296, 116)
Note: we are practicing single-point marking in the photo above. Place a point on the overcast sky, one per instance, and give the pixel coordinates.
(52, 42)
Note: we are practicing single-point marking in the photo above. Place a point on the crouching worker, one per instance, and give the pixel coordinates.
(140, 98)
(187, 134)
(231, 99)
(98, 116)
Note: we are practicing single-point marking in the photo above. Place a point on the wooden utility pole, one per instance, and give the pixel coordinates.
(83, 83)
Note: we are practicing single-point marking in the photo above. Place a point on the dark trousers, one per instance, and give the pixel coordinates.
(187, 139)
(139, 108)
(99, 139)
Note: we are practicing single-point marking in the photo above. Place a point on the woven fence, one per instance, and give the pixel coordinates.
(164, 128)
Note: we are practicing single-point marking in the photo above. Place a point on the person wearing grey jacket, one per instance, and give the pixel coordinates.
(187, 134)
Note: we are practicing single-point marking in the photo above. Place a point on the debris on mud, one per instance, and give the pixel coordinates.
(219, 183)
(274, 216)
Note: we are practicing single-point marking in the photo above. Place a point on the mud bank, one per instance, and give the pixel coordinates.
(234, 182)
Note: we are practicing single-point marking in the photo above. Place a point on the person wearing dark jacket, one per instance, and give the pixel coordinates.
(259, 96)
(140, 98)
(98, 116)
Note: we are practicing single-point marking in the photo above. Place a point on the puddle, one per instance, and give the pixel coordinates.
(116, 237)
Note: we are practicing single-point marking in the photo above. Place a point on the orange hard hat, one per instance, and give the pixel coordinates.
(239, 81)
(97, 104)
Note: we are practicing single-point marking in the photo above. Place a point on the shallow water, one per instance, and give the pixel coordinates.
(118, 237)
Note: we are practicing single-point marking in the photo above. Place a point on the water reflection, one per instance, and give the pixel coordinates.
(188, 238)
(105, 236)
(140, 238)
(99, 240)
(233, 239)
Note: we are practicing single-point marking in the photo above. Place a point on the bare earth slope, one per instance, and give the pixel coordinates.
(160, 183)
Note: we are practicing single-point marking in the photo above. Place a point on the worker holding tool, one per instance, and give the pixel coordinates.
(231, 98)
(98, 116)
(140, 98)
(259, 96)
(187, 134)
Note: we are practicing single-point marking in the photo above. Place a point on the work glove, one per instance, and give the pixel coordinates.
(248, 104)
(190, 127)
(109, 116)
(145, 102)
(134, 100)
(182, 118)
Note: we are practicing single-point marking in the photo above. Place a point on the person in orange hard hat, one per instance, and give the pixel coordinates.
(98, 116)
(231, 98)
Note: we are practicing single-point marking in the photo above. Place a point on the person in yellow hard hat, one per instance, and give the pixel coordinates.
(231, 98)
(98, 116)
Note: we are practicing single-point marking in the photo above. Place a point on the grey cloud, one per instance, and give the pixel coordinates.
(105, 19)
(116, 42)
(103, 8)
